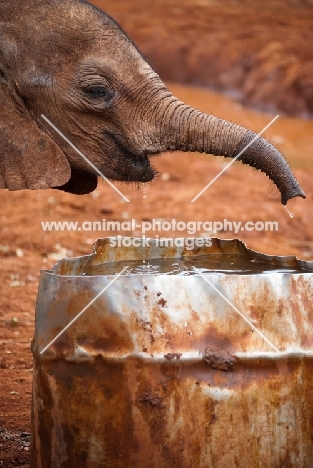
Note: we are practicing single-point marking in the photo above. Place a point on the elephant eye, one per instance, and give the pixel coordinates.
(96, 92)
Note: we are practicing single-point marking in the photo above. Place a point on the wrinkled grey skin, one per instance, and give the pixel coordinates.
(71, 62)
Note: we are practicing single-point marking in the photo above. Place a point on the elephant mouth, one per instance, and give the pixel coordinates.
(131, 167)
(137, 168)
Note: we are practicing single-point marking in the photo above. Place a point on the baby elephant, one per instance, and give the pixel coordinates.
(69, 61)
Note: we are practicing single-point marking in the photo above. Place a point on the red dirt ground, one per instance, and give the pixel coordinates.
(259, 52)
(241, 194)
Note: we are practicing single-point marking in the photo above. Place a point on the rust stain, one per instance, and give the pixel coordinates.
(219, 379)
(155, 401)
(301, 302)
(155, 414)
(172, 356)
(162, 302)
(219, 359)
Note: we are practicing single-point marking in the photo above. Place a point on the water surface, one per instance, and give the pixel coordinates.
(191, 265)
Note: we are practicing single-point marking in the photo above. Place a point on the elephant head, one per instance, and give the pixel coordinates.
(68, 60)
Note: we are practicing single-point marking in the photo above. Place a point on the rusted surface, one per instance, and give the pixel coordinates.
(128, 316)
(132, 383)
(134, 413)
(155, 401)
(219, 359)
(171, 356)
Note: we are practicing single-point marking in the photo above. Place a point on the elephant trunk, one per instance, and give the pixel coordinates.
(187, 129)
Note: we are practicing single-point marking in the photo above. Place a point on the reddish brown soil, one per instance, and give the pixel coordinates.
(239, 195)
(260, 52)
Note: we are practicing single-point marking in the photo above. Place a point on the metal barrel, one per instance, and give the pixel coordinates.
(163, 371)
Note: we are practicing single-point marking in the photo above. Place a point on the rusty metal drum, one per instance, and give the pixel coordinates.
(206, 370)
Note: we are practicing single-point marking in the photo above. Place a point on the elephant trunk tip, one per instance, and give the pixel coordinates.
(292, 193)
(264, 156)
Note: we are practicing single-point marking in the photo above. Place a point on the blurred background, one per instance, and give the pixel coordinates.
(260, 54)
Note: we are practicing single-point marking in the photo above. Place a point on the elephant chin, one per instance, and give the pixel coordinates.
(132, 169)
(80, 183)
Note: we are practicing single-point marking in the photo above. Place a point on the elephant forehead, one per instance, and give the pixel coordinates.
(74, 9)
(56, 47)
(56, 38)
(59, 20)
(60, 31)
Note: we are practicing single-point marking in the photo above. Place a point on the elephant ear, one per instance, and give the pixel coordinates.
(29, 158)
